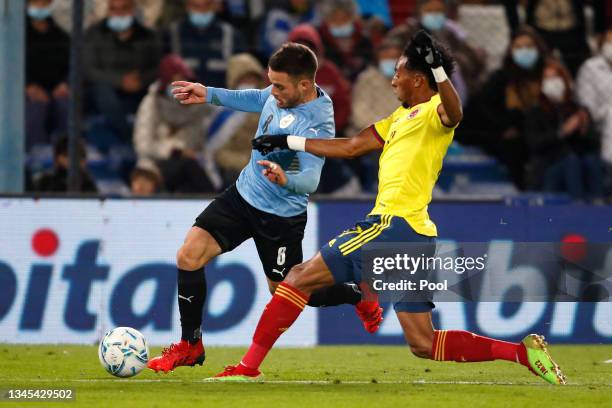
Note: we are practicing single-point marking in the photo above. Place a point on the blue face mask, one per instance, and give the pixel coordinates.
(342, 31)
(120, 23)
(433, 21)
(525, 57)
(387, 67)
(39, 13)
(169, 93)
(201, 20)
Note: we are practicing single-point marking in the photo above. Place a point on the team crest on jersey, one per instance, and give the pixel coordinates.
(413, 113)
(286, 121)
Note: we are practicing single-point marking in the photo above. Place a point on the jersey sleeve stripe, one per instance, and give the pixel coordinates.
(376, 135)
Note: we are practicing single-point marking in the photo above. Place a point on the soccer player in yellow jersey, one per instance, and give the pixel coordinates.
(414, 140)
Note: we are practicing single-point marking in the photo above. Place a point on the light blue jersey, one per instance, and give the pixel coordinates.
(314, 119)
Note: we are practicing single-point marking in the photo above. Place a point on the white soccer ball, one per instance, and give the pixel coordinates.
(123, 352)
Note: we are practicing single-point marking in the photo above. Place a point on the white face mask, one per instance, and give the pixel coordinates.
(554, 89)
(606, 51)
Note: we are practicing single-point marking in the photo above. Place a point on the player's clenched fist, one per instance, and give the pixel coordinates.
(273, 172)
(269, 143)
(426, 48)
(189, 93)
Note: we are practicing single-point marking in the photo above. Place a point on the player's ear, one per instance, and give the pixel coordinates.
(419, 80)
(304, 84)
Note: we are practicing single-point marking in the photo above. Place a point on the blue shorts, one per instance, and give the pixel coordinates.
(343, 254)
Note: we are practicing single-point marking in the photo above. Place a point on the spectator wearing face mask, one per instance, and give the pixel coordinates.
(431, 15)
(345, 42)
(148, 12)
(563, 147)
(562, 24)
(47, 53)
(121, 60)
(373, 96)
(203, 41)
(494, 119)
(329, 77)
(594, 90)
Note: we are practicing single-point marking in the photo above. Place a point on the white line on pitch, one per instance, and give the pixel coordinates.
(306, 382)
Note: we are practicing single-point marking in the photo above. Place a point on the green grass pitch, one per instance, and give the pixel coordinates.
(339, 376)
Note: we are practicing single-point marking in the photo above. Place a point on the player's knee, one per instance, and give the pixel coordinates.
(188, 259)
(296, 276)
(421, 349)
(272, 288)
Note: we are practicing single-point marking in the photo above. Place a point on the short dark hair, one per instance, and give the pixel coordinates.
(297, 60)
(60, 147)
(416, 62)
(145, 173)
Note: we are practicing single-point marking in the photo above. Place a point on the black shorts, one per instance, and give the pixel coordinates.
(231, 221)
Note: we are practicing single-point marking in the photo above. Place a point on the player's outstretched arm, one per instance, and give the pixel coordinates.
(189, 93)
(248, 100)
(345, 147)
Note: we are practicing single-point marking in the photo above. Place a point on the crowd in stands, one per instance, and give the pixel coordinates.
(535, 78)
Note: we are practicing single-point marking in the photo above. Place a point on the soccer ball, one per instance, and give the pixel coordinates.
(123, 352)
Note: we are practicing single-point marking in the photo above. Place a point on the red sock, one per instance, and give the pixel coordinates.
(284, 308)
(463, 346)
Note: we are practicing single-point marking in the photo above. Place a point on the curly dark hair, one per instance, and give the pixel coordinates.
(415, 62)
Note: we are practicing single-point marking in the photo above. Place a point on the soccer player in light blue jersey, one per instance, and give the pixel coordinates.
(267, 203)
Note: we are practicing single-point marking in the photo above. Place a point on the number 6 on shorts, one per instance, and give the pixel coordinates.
(280, 258)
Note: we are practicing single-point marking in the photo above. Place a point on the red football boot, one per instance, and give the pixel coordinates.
(370, 313)
(178, 354)
(237, 373)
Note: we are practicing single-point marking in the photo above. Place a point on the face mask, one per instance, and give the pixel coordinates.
(606, 51)
(525, 57)
(342, 31)
(169, 93)
(433, 21)
(246, 85)
(120, 23)
(554, 89)
(387, 67)
(201, 20)
(39, 13)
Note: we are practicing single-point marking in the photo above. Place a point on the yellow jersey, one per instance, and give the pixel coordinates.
(415, 143)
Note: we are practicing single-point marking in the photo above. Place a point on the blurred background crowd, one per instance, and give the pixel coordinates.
(535, 78)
